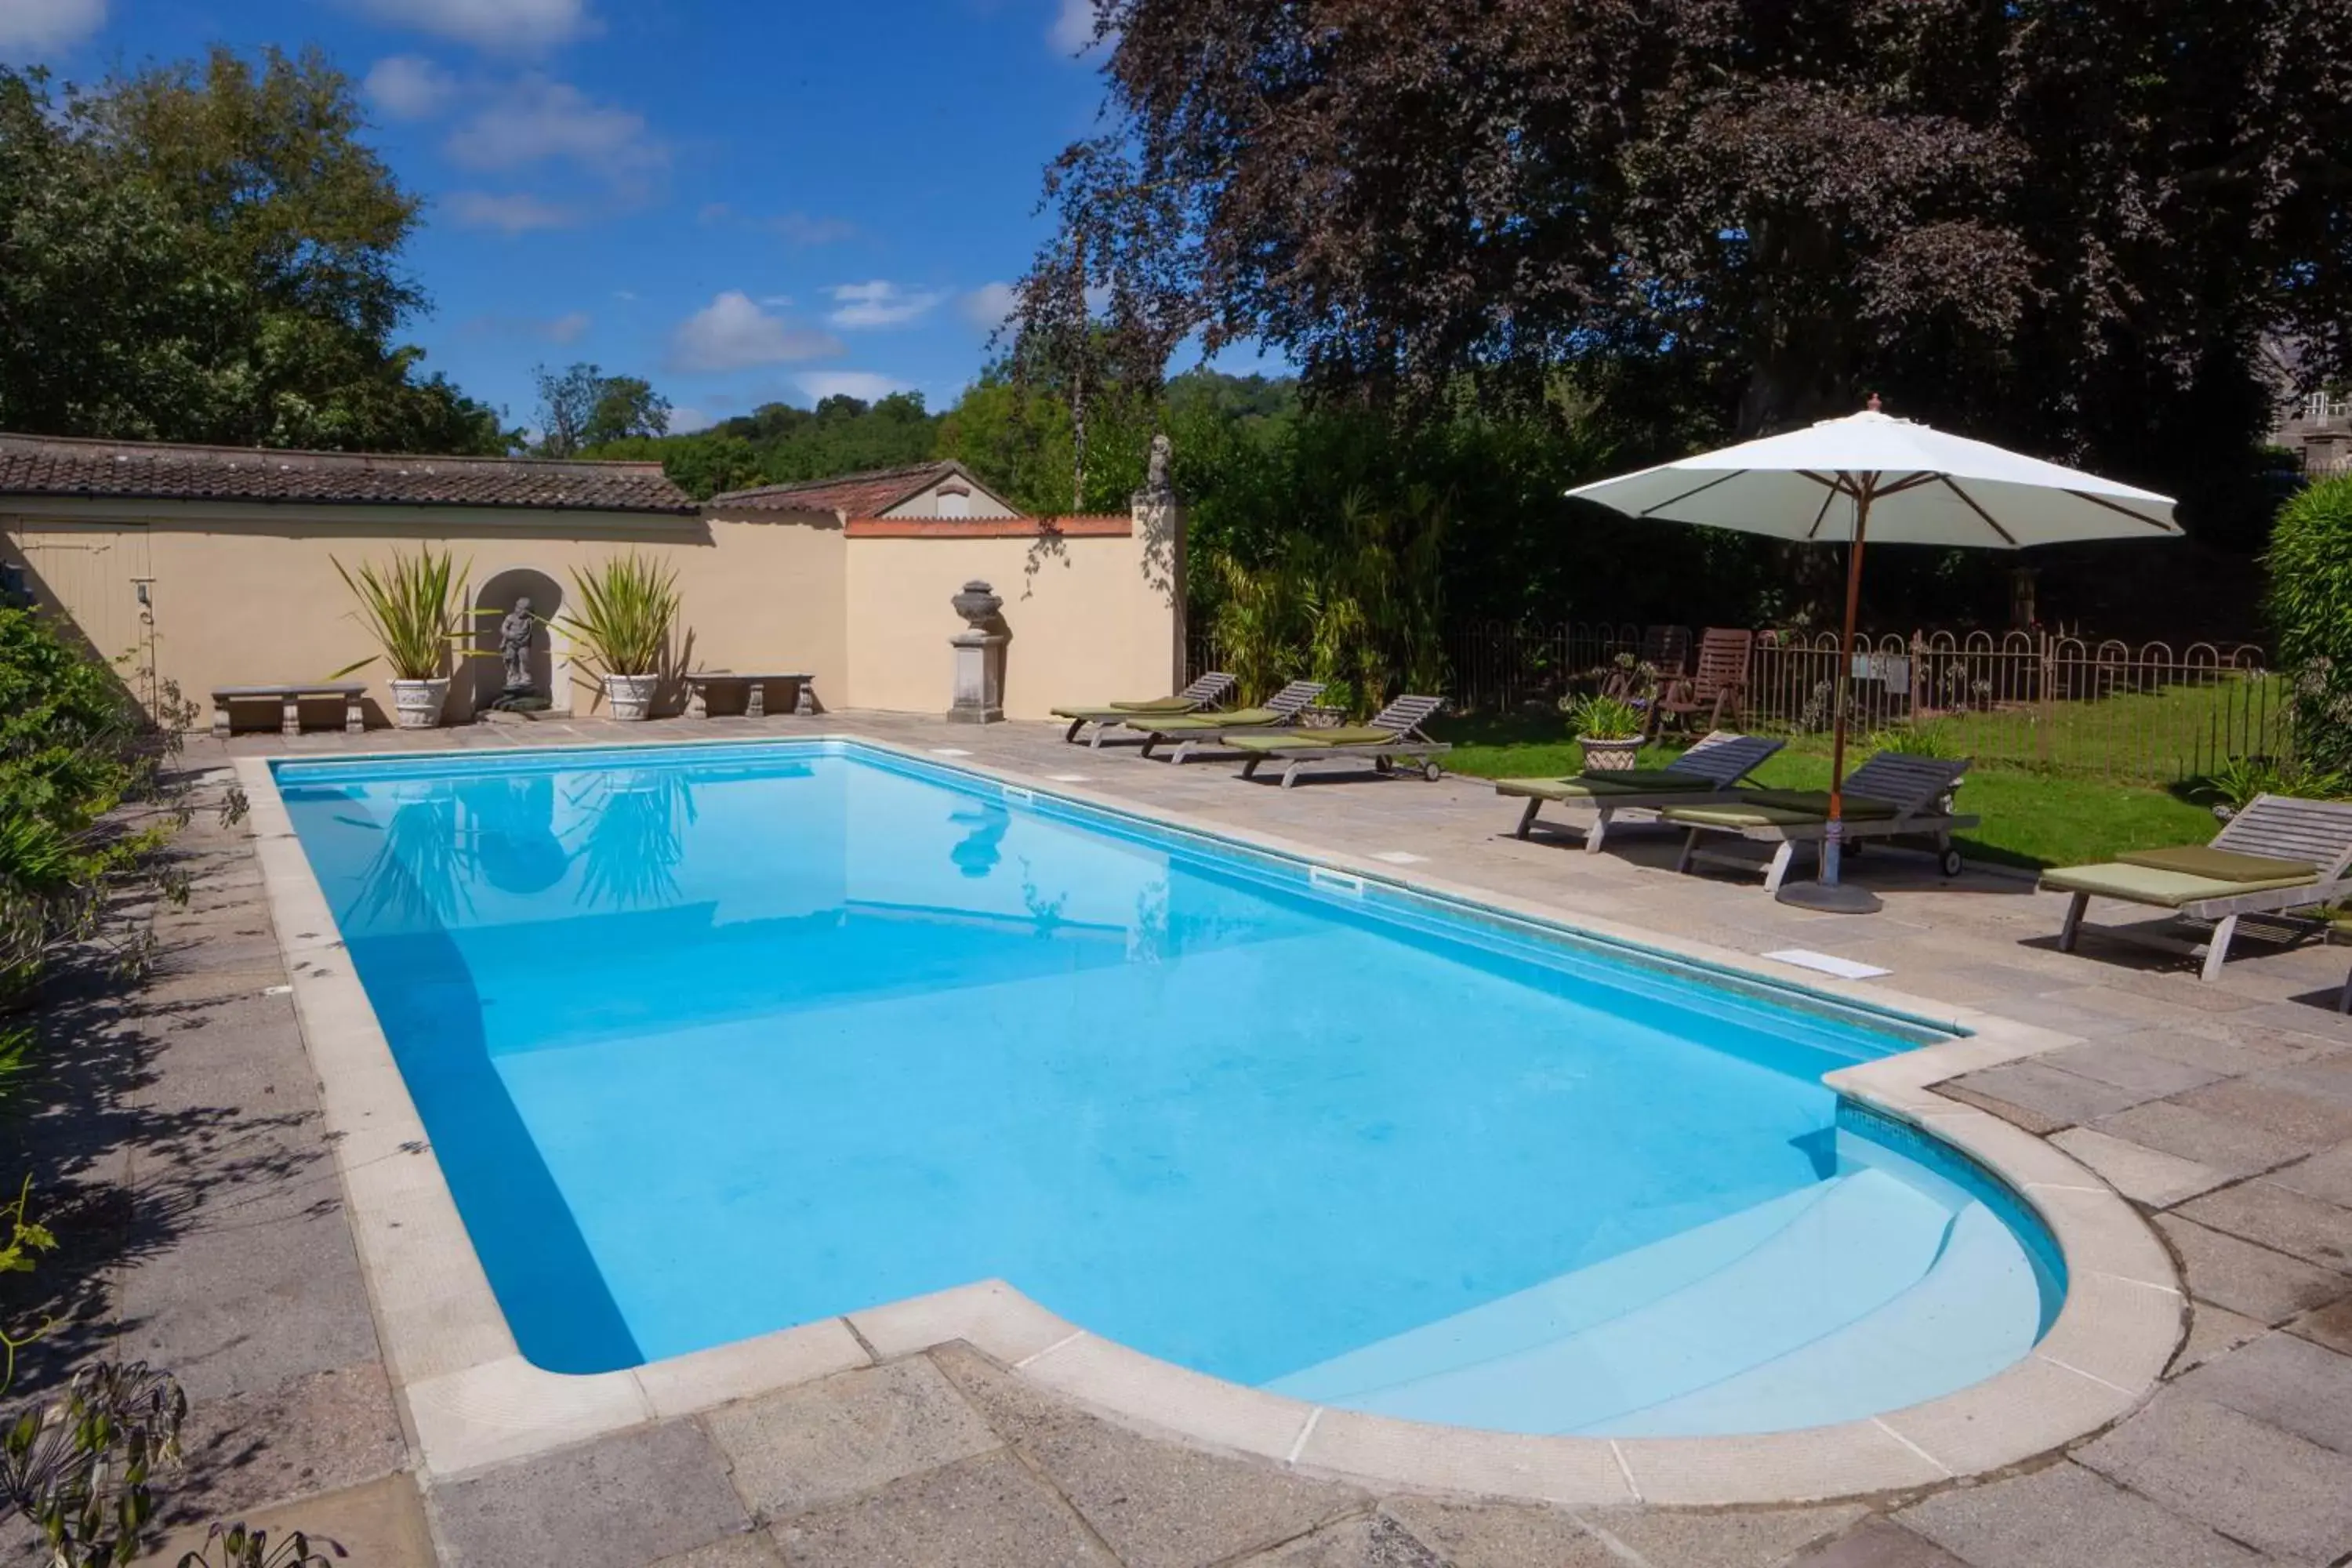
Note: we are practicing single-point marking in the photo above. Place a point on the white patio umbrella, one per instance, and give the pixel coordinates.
(1870, 478)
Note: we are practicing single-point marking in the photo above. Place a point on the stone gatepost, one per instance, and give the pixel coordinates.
(979, 658)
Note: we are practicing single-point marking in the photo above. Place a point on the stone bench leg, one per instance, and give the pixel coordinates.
(290, 720)
(220, 721)
(806, 703)
(354, 717)
(698, 702)
(755, 700)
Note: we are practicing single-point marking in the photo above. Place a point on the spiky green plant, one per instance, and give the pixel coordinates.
(412, 608)
(627, 607)
(1603, 718)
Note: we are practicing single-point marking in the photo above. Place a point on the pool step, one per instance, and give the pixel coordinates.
(1973, 1313)
(1598, 1348)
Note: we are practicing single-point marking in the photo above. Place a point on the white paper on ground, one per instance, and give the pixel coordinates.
(1828, 964)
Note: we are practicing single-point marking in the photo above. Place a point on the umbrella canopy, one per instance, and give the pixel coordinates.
(1872, 478)
(1923, 487)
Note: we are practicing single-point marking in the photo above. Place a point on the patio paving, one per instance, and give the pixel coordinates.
(180, 1153)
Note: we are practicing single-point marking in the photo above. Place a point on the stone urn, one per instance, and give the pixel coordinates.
(978, 605)
(416, 704)
(979, 658)
(1609, 756)
(630, 697)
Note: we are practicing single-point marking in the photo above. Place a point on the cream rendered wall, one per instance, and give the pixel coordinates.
(243, 594)
(1090, 620)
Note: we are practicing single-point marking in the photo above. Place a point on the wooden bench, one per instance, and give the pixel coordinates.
(289, 700)
(755, 699)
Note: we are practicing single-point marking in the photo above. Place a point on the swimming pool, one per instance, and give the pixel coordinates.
(713, 1040)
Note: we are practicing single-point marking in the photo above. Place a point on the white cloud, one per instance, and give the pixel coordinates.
(776, 301)
(879, 304)
(568, 328)
(628, 294)
(536, 119)
(732, 332)
(990, 306)
(31, 25)
(687, 421)
(409, 87)
(489, 24)
(517, 213)
(1074, 27)
(870, 384)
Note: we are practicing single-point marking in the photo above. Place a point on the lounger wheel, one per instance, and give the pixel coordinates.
(1431, 771)
(1950, 863)
(1383, 766)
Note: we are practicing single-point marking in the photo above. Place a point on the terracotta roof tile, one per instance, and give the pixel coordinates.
(67, 465)
(866, 494)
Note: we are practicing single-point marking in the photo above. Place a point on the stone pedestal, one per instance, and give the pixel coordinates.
(979, 678)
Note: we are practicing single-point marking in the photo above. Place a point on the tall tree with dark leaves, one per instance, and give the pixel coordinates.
(211, 252)
(2069, 226)
(580, 406)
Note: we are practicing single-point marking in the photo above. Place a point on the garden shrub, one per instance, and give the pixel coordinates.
(2310, 607)
(75, 748)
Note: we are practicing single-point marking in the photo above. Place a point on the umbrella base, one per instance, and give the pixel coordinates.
(1831, 898)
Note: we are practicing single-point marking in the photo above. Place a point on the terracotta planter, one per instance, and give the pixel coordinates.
(416, 704)
(630, 695)
(1609, 756)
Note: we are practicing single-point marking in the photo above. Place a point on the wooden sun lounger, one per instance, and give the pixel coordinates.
(1394, 732)
(1704, 774)
(1892, 795)
(1205, 692)
(1191, 732)
(2278, 853)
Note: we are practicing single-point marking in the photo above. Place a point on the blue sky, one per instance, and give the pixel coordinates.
(743, 202)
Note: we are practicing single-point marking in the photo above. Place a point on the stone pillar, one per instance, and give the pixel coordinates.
(979, 658)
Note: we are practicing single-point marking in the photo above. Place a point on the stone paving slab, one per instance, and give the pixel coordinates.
(847, 1434)
(985, 1512)
(614, 1503)
(1155, 1506)
(1501, 1535)
(2236, 1148)
(2285, 1381)
(2266, 1286)
(2282, 1220)
(2066, 1517)
(2326, 1175)
(1366, 1540)
(2244, 1478)
(2143, 1175)
(1877, 1542)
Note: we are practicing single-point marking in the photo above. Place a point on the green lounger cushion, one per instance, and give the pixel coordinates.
(1155, 705)
(1740, 813)
(2220, 865)
(1816, 802)
(1590, 786)
(2152, 885)
(1343, 735)
(1239, 719)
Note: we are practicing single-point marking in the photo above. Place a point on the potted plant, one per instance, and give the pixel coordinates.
(411, 608)
(626, 609)
(1608, 727)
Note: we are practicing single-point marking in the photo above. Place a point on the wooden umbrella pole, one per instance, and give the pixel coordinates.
(1863, 486)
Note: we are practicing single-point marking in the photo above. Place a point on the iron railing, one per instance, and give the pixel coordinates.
(2150, 712)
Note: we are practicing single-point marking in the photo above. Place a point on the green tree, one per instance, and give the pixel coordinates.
(2069, 227)
(211, 253)
(580, 406)
(2310, 608)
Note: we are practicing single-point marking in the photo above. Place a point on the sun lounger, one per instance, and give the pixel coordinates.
(1206, 692)
(1394, 732)
(1703, 774)
(1892, 795)
(1192, 732)
(2277, 854)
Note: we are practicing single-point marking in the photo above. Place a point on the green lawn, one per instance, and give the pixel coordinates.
(2029, 818)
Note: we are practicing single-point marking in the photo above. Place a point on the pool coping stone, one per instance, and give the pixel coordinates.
(469, 1400)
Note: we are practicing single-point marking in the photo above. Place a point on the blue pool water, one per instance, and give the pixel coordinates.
(711, 1041)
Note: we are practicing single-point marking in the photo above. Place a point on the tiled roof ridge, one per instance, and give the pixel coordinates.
(12, 441)
(933, 466)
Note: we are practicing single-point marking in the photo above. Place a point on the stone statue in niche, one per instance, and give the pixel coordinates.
(515, 634)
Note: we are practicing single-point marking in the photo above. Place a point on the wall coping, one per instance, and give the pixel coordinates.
(1099, 526)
